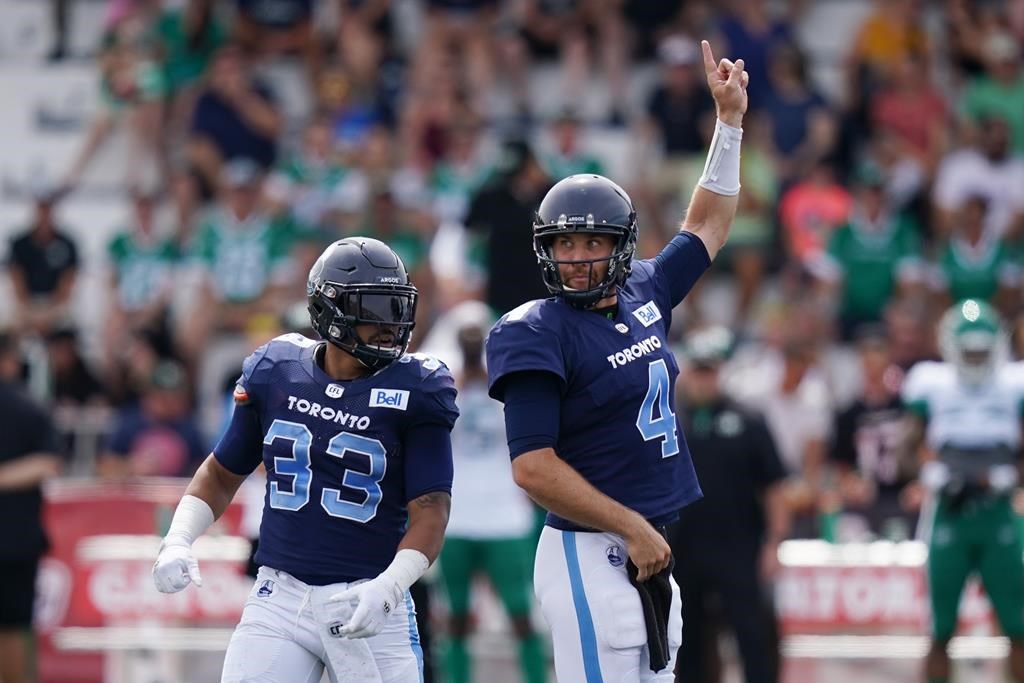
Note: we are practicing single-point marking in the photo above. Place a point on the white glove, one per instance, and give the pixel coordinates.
(1002, 478)
(175, 567)
(934, 475)
(375, 602)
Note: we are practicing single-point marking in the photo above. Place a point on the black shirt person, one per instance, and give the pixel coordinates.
(726, 544)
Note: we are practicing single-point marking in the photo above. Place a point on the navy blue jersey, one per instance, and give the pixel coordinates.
(343, 458)
(618, 427)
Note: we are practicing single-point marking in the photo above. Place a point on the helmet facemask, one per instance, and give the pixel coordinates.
(619, 262)
(974, 342)
(336, 310)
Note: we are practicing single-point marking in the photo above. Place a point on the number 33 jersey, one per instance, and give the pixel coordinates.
(343, 458)
(618, 424)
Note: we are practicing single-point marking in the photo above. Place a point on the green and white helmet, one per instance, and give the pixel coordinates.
(971, 337)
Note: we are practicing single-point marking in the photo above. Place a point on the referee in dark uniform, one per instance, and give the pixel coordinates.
(27, 457)
(726, 544)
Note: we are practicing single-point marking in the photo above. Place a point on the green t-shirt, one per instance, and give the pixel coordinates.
(243, 259)
(143, 271)
(986, 97)
(559, 166)
(312, 189)
(976, 272)
(871, 262)
(453, 187)
(183, 64)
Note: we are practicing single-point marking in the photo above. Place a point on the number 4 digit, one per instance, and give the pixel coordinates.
(664, 425)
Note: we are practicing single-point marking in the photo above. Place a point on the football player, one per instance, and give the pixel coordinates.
(355, 437)
(971, 406)
(587, 381)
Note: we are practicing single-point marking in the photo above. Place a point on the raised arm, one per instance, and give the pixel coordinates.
(716, 196)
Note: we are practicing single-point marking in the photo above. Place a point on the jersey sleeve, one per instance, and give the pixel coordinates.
(435, 400)
(428, 460)
(240, 449)
(522, 341)
(916, 388)
(680, 264)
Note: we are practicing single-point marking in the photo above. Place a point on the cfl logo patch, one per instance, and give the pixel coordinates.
(335, 629)
(396, 399)
(334, 390)
(648, 314)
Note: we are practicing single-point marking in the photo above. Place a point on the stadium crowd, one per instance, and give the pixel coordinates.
(869, 204)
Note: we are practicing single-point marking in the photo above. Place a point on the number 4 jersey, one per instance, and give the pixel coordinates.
(343, 458)
(618, 425)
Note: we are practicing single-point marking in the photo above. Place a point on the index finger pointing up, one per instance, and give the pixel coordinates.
(710, 65)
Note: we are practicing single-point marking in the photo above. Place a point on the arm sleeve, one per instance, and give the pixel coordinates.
(532, 411)
(683, 260)
(240, 450)
(428, 460)
(520, 345)
(915, 390)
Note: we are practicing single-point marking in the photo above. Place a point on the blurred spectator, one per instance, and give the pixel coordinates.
(244, 260)
(461, 31)
(888, 35)
(910, 108)
(364, 36)
(143, 269)
(159, 436)
(968, 24)
(569, 30)
(908, 327)
(1000, 92)
(132, 90)
(871, 447)
(803, 127)
(235, 116)
(27, 458)
(185, 40)
(726, 544)
(874, 256)
(73, 382)
(679, 122)
(976, 264)
(499, 216)
(810, 211)
(43, 268)
(466, 167)
(352, 108)
(279, 27)
(307, 185)
(787, 387)
(752, 33)
(491, 524)
(987, 170)
(752, 235)
(568, 156)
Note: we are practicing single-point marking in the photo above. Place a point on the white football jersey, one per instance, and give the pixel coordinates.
(486, 502)
(964, 416)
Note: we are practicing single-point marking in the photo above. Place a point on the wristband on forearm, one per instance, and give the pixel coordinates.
(191, 518)
(408, 566)
(722, 169)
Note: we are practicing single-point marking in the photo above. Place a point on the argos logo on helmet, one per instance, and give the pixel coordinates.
(390, 280)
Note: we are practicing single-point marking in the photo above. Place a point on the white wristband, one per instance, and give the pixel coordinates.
(722, 169)
(407, 567)
(192, 517)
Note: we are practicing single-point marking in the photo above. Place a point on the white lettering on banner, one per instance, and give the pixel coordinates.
(635, 351)
(328, 414)
(124, 589)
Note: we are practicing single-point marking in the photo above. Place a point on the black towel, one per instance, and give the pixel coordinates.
(656, 599)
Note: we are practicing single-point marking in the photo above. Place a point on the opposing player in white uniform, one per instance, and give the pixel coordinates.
(972, 405)
(490, 530)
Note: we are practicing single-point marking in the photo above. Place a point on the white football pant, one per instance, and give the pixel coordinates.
(284, 635)
(597, 622)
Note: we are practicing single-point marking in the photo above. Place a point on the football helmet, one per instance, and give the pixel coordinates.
(972, 338)
(362, 281)
(585, 203)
